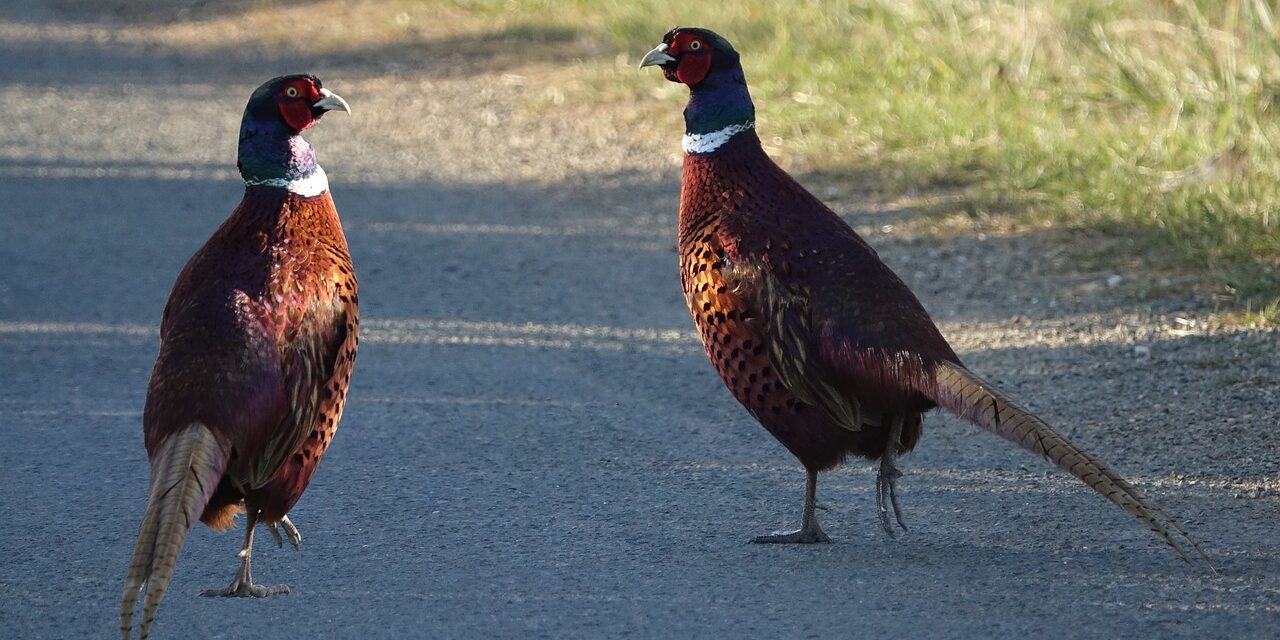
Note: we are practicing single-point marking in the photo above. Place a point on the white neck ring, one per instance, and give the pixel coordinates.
(708, 142)
(310, 186)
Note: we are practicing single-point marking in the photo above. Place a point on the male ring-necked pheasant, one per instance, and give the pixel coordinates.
(810, 331)
(257, 344)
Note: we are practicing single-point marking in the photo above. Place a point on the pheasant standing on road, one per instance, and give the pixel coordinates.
(812, 333)
(257, 344)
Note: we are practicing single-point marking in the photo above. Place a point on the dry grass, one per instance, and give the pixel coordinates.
(1151, 121)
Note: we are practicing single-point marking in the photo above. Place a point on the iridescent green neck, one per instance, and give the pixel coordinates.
(272, 155)
(719, 108)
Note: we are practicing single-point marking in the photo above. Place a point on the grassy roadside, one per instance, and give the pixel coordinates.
(1148, 120)
(1145, 127)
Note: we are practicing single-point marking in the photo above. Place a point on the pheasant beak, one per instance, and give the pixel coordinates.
(658, 56)
(330, 101)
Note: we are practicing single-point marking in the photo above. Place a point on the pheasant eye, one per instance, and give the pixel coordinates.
(292, 92)
(695, 45)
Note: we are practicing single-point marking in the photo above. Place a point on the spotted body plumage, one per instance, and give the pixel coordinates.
(810, 330)
(730, 230)
(268, 308)
(257, 344)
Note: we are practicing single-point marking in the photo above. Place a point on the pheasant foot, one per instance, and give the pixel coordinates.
(295, 537)
(246, 589)
(242, 586)
(809, 531)
(807, 535)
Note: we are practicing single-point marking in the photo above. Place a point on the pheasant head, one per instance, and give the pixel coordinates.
(719, 106)
(272, 151)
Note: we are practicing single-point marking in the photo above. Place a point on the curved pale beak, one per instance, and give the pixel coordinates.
(330, 101)
(656, 57)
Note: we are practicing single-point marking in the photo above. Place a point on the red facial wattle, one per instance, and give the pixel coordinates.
(297, 114)
(294, 102)
(693, 68)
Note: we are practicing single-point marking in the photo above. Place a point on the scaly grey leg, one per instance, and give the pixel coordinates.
(809, 531)
(242, 586)
(887, 479)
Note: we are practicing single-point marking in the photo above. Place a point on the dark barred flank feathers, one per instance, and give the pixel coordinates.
(257, 345)
(810, 330)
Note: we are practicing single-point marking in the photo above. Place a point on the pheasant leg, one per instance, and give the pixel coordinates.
(242, 586)
(887, 480)
(809, 531)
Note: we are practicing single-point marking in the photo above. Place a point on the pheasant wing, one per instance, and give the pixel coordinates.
(784, 319)
(309, 358)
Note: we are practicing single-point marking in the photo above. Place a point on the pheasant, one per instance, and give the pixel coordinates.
(257, 344)
(821, 342)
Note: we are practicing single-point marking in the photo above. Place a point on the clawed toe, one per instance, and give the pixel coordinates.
(240, 589)
(295, 537)
(800, 536)
(886, 496)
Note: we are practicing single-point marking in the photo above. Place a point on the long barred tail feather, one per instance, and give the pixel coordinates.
(959, 391)
(184, 474)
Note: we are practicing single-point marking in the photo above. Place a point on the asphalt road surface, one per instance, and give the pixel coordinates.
(535, 445)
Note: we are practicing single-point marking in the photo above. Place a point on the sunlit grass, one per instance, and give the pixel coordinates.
(1145, 119)
(1150, 122)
